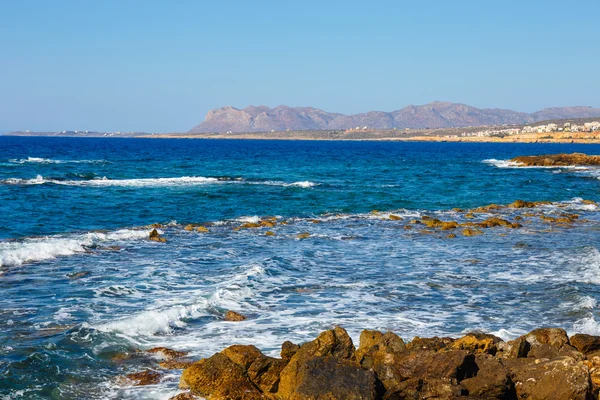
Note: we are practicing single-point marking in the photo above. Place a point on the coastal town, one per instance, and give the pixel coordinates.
(548, 128)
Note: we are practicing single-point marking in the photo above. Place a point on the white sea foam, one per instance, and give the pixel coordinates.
(148, 182)
(587, 325)
(303, 184)
(513, 164)
(39, 160)
(17, 253)
(152, 322)
(252, 220)
(502, 163)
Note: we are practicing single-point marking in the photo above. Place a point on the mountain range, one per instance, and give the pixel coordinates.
(433, 115)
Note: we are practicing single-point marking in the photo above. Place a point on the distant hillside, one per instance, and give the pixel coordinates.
(432, 115)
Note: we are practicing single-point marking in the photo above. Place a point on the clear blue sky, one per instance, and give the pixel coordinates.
(159, 66)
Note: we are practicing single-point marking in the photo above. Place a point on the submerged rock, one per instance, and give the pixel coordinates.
(471, 232)
(78, 275)
(304, 235)
(147, 377)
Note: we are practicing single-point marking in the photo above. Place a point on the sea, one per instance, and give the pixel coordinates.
(84, 292)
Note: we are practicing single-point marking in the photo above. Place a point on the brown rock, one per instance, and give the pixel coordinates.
(335, 343)
(585, 343)
(435, 343)
(166, 353)
(417, 388)
(202, 229)
(395, 217)
(242, 355)
(218, 377)
(264, 373)
(184, 396)
(155, 237)
(329, 378)
(558, 160)
(175, 364)
(288, 349)
(561, 378)
(304, 235)
(471, 232)
(234, 316)
(147, 377)
(492, 380)
(476, 343)
(374, 344)
(269, 233)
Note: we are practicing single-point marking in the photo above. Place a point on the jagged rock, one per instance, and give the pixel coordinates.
(175, 364)
(234, 316)
(492, 380)
(288, 349)
(263, 371)
(147, 377)
(219, 378)
(417, 388)
(184, 396)
(494, 221)
(561, 378)
(586, 344)
(471, 232)
(166, 353)
(435, 343)
(522, 204)
(331, 378)
(476, 342)
(155, 237)
(558, 160)
(374, 344)
(242, 355)
(539, 343)
(335, 343)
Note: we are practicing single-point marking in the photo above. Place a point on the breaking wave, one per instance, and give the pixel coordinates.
(150, 182)
(17, 253)
(39, 160)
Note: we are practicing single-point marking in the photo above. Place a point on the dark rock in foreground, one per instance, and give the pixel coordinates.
(543, 364)
(558, 160)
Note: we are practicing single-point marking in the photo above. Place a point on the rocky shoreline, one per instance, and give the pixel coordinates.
(558, 160)
(543, 364)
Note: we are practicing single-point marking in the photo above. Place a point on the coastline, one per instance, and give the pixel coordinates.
(558, 137)
(544, 363)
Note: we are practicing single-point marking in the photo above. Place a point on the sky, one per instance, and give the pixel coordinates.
(159, 66)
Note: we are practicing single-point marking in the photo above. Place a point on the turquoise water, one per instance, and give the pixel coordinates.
(84, 205)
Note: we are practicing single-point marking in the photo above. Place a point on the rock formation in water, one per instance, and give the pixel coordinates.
(558, 160)
(543, 364)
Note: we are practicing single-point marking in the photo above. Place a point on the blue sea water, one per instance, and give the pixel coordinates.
(84, 206)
